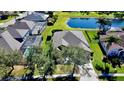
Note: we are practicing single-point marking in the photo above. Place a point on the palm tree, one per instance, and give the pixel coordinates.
(112, 39)
(105, 25)
(76, 56)
(114, 60)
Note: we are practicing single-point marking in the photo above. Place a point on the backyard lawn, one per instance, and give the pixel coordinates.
(61, 23)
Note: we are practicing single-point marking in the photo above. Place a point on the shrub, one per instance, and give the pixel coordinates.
(48, 38)
(3, 17)
(99, 67)
(122, 28)
(52, 20)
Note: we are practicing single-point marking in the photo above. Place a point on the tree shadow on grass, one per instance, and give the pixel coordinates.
(109, 78)
(66, 78)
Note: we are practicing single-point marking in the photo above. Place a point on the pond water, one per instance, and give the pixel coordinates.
(91, 23)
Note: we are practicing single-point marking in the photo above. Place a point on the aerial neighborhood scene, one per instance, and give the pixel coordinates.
(61, 46)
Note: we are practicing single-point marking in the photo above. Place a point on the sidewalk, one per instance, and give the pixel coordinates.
(111, 74)
(58, 75)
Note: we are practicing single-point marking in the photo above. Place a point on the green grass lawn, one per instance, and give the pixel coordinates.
(65, 69)
(120, 78)
(6, 20)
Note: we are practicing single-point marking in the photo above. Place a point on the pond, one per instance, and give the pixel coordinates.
(91, 23)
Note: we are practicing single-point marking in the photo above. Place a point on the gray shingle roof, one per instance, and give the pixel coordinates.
(70, 38)
(36, 17)
(30, 24)
(20, 25)
(8, 43)
(17, 33)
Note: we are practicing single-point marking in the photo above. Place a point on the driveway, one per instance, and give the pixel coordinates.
(88, 73)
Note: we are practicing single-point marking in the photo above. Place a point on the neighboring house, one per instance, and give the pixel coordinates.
(19, 31)
(8, 43)
(30, 24)
(70, 38)
(37, 17)
(114, 49)
(24, 33)
(35, 27)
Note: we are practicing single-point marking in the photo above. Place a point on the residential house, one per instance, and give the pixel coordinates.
(8, 43)
(19, 30)
(23, 33)
(35, 27)
(113, 49)
(70, 38)
(37, 17)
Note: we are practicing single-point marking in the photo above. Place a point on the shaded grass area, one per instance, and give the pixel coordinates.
(112, 78)
(65, 69)
(66, 78)
(36, 71)
(6, 20)
(120, 78)
(60, 69)
(98, 53)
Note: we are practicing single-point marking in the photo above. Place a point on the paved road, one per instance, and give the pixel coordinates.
(58, 75)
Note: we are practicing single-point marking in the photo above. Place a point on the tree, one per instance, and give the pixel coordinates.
(76, 56)
(112, 39)
(119, 15)
(11, 59)
(57, 56)
(3, 68)
(104, 25)
(7, 62)
(42, 59)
